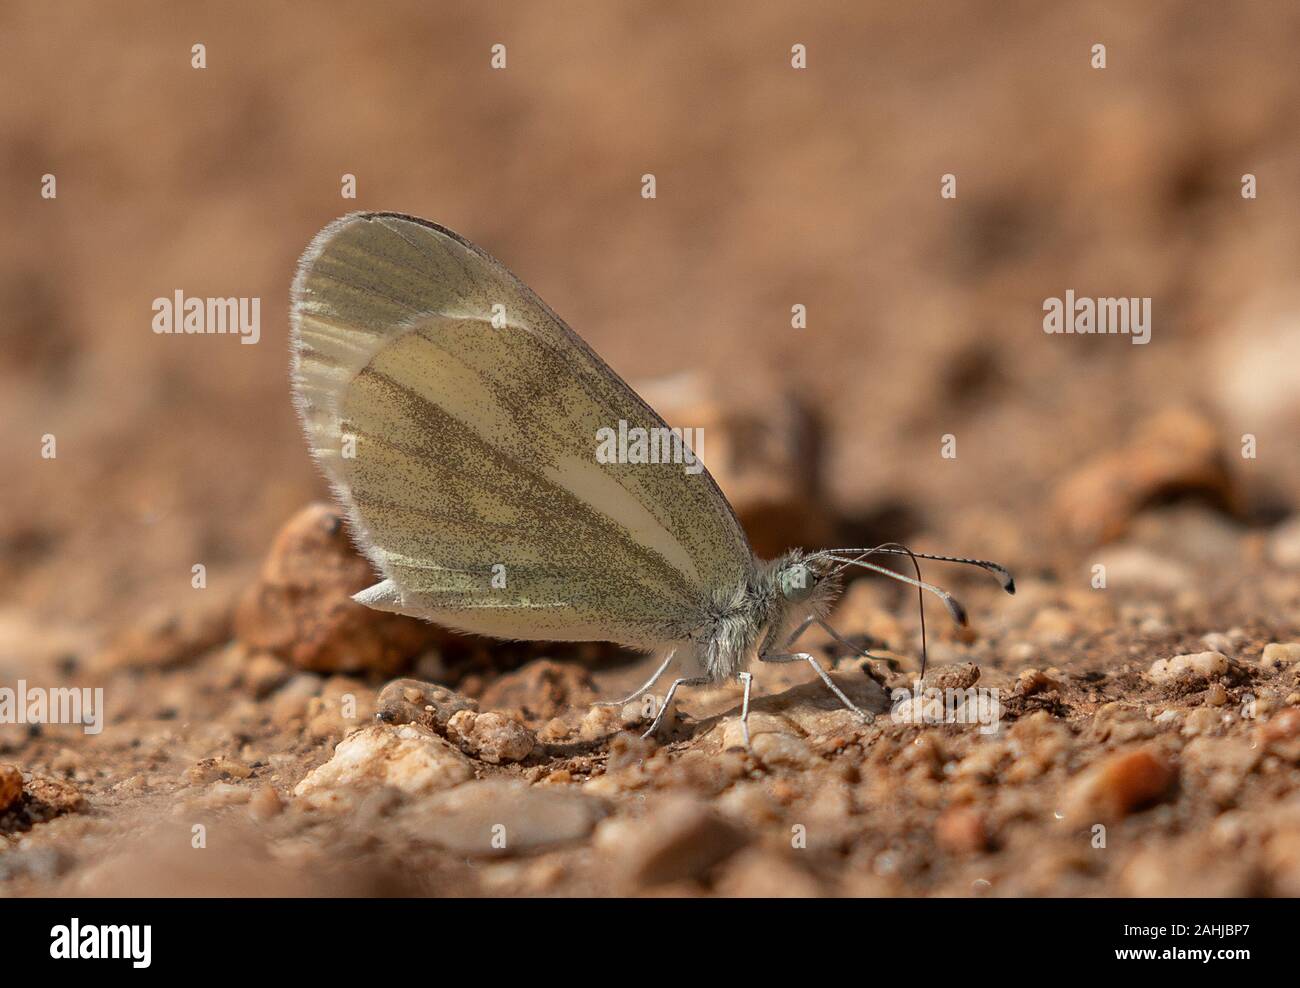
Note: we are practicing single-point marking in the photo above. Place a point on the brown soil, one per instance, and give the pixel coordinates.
(775, 187)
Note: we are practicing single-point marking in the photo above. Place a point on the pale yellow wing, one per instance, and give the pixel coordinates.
(465, 453)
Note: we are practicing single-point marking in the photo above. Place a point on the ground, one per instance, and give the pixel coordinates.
(263, 735)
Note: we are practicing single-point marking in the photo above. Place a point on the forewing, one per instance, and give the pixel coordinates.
(465, 452)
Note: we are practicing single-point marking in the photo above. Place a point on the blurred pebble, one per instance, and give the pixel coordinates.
(215, 769)
(265, 803)
(1117, 786)
(1202, 720)
(1198, 665)
(301, 606)
(782, 750)
(542, 689)
(1284, 544)
(1031, 681)
(1177, 449)
(11, 786)
(956, 677)
(166, 638)
(1278, 655)
(498, 817)
(759, 873)
(1130, 567)
(760, 722)
(263, 673)
(961, 830)
(1217, 641)
(680, 838)
(762, 451)
(289, 703)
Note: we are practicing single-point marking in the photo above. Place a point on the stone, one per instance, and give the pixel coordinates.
(1198, 665)
(1279, 655)
(1176, 450)
(264, 673)
(216, 769)
(289, 703)
(679, 839)
(541, 689)
(961, 830)
(759, 873)
(733, 735)
(499, 817)
(166, 637)
(1202, 720)
(11, 786)
(1031, 681)
(265, 803)
(785, 750)
(491, 736)
(1118, 785)
(1284, 544)
(955, 677)
(410, 701)
(301, 607)
(48, 798)
(1135, 568)
(408, 757)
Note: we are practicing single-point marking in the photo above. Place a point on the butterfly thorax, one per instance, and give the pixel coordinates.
(758, 614)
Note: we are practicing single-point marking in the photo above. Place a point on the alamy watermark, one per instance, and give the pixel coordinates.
(656, 445)
(233, 316)
(1098, 316)
(53, 705)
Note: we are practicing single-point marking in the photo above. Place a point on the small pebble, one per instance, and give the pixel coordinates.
(1117, 786)
(498, 817)
(11, 786)
(961, 830)
(491, 736)
(1198, 665)
(409, 701)
(1278, 655)
(1031, 681)
(1202, 720)
(407, 757)
(680, 839)
(956, 677)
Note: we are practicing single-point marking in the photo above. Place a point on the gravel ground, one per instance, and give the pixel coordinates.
(265, 735)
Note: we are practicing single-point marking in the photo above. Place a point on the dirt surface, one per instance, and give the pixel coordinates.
(264, 735)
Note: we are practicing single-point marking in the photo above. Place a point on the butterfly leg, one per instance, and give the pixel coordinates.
(865, 717)
(856, 649)
(668, 700)
(814, 619)
(649, 683)
(746, 678)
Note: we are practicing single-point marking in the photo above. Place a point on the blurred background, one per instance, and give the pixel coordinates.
(775, 187)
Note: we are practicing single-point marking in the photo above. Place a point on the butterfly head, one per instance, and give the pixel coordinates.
(801, 582)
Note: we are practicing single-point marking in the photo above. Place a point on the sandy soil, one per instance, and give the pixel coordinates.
(217, 772)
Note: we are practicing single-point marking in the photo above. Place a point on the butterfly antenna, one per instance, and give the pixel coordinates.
(1003, 575)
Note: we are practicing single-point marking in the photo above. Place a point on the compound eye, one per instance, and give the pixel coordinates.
(797, 581)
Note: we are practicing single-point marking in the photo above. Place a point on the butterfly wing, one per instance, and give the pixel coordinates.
(465, 452)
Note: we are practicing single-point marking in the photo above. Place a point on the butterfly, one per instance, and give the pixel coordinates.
(457, 419)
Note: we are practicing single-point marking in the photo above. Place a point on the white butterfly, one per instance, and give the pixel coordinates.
(456, 417)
